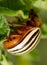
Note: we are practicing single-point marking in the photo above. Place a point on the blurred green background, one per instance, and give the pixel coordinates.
(13, 8)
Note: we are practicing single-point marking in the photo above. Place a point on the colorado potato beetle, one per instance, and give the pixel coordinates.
(25, 38)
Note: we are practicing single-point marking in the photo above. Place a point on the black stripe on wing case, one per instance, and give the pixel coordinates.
(29, 45)
(27, 41)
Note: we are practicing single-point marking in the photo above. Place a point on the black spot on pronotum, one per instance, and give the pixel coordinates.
(7, 40)
(10, 39)
(14, 37)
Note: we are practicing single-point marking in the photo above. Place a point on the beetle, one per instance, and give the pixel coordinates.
(26, 38)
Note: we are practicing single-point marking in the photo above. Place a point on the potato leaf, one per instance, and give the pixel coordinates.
(4, 28)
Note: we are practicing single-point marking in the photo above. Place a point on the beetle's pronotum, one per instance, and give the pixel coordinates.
(26, 38)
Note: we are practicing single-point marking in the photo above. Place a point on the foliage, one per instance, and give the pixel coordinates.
(14, 8)
(4, 28)
(44, 31)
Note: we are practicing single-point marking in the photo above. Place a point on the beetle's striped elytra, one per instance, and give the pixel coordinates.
(29, 41)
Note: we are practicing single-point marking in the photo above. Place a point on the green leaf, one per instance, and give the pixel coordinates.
(4, 61)
(4, 28)
(44, 29)
(7, 6)
(41, 4)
